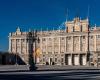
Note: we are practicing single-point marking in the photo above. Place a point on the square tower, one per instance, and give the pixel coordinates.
(77, 25)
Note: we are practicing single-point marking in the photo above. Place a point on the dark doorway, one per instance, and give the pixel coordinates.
(50, 61)
(66, 59)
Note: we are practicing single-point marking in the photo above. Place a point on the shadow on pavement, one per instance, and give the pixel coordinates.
(50, 76)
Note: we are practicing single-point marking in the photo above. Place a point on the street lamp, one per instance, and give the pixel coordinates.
(31, 40)
(16, 59)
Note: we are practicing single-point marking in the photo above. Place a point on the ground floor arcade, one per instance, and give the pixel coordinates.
(63, 59)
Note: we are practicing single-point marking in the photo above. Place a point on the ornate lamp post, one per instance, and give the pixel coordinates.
(16, 59)
(31, 41)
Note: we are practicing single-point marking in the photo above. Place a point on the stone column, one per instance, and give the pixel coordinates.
(71, 59)
(15, 45)
(79, 43)
(79, 58)
(95, 59)
(26, 46)
(72, 39)
(94, 42)
(16, 50)
(46, 45)
(65, 45)
(59, 45)
(95, 53)
(20, 46)
(41, 45)
(86, 45)
(65, 51)
(27, 51)
(72, 43)
(52, 45)
(26, 54)
(10, 45)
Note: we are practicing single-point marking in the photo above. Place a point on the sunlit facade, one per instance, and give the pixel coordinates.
(79, 45)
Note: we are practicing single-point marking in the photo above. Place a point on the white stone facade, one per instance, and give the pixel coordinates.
(78, 45)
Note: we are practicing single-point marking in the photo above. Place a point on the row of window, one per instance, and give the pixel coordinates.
(44, 39)
(91, 60)
(55, 60)
(97, 36)
(51, 52)
(83, 37)
(18, 40)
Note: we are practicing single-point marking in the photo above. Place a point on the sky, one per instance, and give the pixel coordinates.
(35, 14)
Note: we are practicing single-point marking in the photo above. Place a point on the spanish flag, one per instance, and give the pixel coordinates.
(37, 52)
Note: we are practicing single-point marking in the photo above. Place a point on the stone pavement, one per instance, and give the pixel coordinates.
(45, 68)
(52, 75)
(65, 67)
(21, 72)
(14, 68)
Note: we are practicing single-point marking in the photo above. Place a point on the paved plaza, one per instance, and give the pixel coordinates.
(21, 72)
(52, 75)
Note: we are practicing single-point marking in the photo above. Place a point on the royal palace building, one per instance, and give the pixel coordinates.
(78, 44)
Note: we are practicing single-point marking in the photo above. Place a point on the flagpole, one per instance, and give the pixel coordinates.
(66, 20)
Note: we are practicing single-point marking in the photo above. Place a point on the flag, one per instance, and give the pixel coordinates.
(37, 52)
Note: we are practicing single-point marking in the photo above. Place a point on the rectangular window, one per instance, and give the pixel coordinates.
(43, 55)
(98, 59)
(55, 39)
(98, 36)
(49, 52)
(23, 40)
(55, 59)
(44, 52)
(91, 55)
(62, 59)
(43, 59)
(40, 60)
(50, 39)
(98, 54)
(17, 40)
(55, 52)
(83, 37)
(62, 38)
(22, 53)
(91, 37)
(12, 40)
(91, 59)
(62, 52)
(69, 38)
(43, 39)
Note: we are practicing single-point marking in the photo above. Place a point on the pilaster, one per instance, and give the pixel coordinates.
(72, 43)
(10, 44)
(52, 45)
(46, 45)
(59, 45)
(95, 43)
(41, 45)
(87, 44)
(65, 44)
(80, 43)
